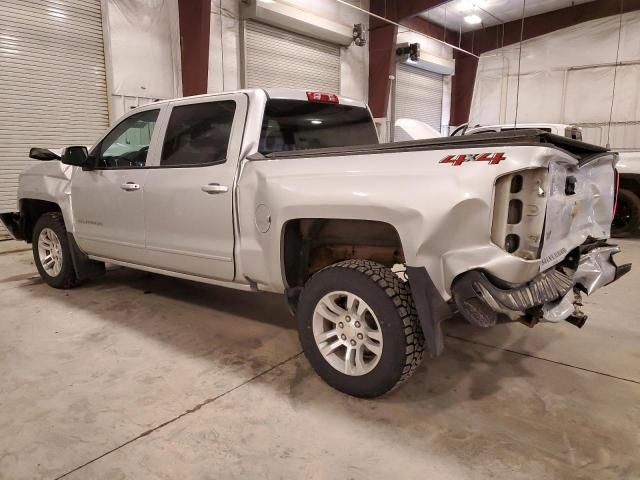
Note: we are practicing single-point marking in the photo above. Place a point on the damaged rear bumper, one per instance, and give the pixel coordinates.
(553, 295)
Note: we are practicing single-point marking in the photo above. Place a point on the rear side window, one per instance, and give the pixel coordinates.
(198, 134)
(300, 125)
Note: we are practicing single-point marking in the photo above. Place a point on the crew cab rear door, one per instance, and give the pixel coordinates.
(188, 203)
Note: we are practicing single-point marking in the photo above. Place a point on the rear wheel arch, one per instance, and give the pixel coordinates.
(310, 244)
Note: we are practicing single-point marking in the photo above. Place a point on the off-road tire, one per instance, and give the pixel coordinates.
(631, 204)
(67, 276)
(391, 301)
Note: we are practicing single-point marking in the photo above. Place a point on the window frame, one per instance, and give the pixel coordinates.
(153, 144)
(235, 138)
(189, 104)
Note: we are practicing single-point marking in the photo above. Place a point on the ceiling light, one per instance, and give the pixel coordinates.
(316, 122)
(473, 19)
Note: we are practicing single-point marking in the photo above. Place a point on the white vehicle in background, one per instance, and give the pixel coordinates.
(288, 191)
(627, 219)
(564, 130)
(416, 129)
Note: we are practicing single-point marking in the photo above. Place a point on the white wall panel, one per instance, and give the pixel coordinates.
(143, 52)
(567, 77)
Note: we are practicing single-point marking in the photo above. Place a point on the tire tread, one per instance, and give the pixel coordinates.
(399, 293)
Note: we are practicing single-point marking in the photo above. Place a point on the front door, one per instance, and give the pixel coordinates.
(108, 202)
(188, 202)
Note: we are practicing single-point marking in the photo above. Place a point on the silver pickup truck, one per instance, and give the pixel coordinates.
(373, 244)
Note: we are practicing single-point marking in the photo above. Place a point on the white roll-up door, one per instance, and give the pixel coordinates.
(277, 58)
(52, 82)
(419, 97)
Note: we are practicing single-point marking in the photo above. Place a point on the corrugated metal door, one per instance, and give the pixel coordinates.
(52, 81)
(418, 96)
(277, 58)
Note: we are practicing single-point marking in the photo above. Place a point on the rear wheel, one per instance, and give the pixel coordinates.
(627, 217)
(51, 251)
(359, 329)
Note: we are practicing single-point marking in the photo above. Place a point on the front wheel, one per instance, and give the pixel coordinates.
(51, 251)
(358, 328)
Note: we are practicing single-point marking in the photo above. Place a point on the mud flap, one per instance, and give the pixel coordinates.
(432, 309)
(85, 267)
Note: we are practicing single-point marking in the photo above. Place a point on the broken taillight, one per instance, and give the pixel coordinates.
(322, 97)
(615, 196)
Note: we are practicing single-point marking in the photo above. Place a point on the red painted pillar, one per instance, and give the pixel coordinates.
(462, 87)
(382, 42)
(195, 19)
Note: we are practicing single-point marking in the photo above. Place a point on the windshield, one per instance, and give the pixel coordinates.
(300, 125)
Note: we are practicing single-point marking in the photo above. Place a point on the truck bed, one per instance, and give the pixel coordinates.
(575, 148)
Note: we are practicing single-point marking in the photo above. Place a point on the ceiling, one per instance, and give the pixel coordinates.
(491, 12)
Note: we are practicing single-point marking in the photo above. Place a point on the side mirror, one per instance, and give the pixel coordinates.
(43, 154)
(90, 163)
(76, 155)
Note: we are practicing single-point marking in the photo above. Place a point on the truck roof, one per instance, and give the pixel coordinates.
(279, 93)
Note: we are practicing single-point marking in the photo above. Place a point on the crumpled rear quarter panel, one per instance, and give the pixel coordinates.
(441, 211)
(588, 213)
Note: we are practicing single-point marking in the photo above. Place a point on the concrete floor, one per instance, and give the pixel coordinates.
(139, 376)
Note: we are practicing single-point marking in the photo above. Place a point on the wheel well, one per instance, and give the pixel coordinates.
(310, 244)
(30, 211)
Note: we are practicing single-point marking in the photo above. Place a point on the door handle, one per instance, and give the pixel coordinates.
(130, 186)
(213, 188)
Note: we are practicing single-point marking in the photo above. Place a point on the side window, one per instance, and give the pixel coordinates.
(127, 145)
(198, 134)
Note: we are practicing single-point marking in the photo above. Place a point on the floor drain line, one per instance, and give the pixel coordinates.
(178, 417)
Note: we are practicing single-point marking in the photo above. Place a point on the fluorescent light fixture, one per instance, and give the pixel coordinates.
(316, 122)
(267, 1)
(473, 19)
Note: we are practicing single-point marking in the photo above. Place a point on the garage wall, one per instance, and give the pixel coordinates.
(567, 77)
(275, 58)
(142, 48)
(224, 48)
(52, 82)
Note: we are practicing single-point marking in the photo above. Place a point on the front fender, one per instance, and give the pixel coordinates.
(51, 182)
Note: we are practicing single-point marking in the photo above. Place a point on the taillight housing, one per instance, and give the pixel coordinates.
(615, 194)
(519, 207)
(322, 97)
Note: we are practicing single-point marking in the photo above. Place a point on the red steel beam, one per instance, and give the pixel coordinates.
(194, 19)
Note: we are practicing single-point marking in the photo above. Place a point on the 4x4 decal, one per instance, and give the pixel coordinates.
(457, 160)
